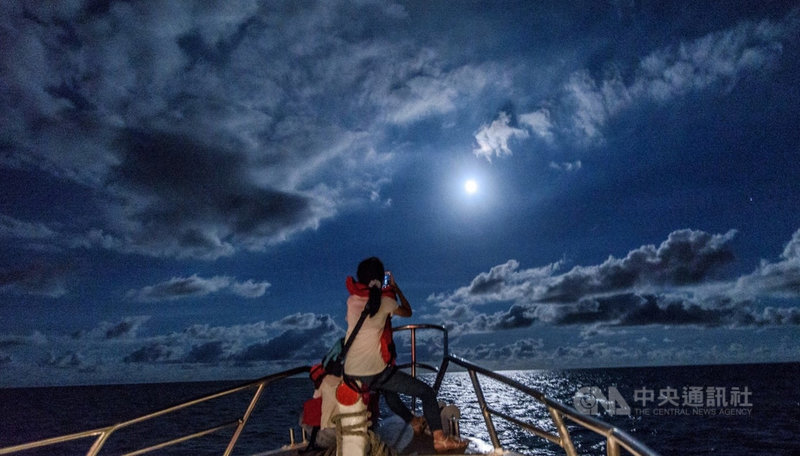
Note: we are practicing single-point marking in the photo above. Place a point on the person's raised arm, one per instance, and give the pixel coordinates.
(404, 309)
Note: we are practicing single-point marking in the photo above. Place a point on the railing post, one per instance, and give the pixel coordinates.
(485, 411)
(414, 352)
(563, 432)
(101, 440)
(244, 419)
(612, 447)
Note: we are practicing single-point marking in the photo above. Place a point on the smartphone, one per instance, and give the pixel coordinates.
(387, 279)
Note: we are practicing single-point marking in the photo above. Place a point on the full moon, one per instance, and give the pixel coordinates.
(471, 186)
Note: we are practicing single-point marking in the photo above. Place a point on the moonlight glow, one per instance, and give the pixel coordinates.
(471, 186)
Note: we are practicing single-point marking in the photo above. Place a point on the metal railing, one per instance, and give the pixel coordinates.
(104, 433)
(616, 439)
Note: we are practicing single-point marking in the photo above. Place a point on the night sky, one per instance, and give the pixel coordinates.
(185, 186)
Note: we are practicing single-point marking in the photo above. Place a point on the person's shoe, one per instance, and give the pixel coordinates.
(450, 445)
(418, 424)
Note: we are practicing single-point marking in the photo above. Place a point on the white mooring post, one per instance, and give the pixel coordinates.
(352, 422)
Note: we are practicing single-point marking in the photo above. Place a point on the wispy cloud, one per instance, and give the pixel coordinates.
(581, 111)
(195, 286)
(493, 138)
(17, 229)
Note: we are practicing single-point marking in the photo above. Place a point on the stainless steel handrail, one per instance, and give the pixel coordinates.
(615, 438)
(105, 432)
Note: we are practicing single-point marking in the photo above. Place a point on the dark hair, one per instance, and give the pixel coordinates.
(369, 270)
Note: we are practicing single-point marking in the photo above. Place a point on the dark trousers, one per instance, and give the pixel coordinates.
(392, 382)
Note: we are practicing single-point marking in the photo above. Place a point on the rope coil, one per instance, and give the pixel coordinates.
(375, 446)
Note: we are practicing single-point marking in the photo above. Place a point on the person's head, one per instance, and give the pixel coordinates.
(369, 270)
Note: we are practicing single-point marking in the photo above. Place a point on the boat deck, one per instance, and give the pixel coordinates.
(400, 437)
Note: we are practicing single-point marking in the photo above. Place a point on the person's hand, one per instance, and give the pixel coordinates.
(404, 309)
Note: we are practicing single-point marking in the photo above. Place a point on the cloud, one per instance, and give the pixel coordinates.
(718, 58)
(493, 138)
(581, 111)
(308, 339)
(201, 130)
(154, 353)
(618, 353)
(567, 166)
(122, 351)
(70, 360)
(195, 286)
(173, 196)
(209, 352)
(250, 289)
(686, 257)
(536, 352)
(779, 279)
(257, 330)
(36, 278)
(180, 287)
(301, 336)
(674, 284)
(17, 229)
(127, 328)
(539, 123)
(517, 350)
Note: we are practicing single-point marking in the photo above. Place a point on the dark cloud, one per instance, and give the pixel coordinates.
(152, 353)
(516, 317)
(202, 129)
(126, 328)
(636, 310)
(686, 257)
(493, 281)
(178, 197)
(773, 316)
(299, 336)
(209, 352)
(304, 341)
(70, 360)
(284, 346)
(38, 278)
(632, 309)
(674, 284)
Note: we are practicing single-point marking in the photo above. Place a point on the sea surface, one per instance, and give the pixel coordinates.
(751, 409)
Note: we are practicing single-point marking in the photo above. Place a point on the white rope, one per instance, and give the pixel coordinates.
(376, 446)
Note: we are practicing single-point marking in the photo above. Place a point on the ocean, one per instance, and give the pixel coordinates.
(751, 409)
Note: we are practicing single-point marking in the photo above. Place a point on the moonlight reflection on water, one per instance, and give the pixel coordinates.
(767, 427)
(502, 398)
